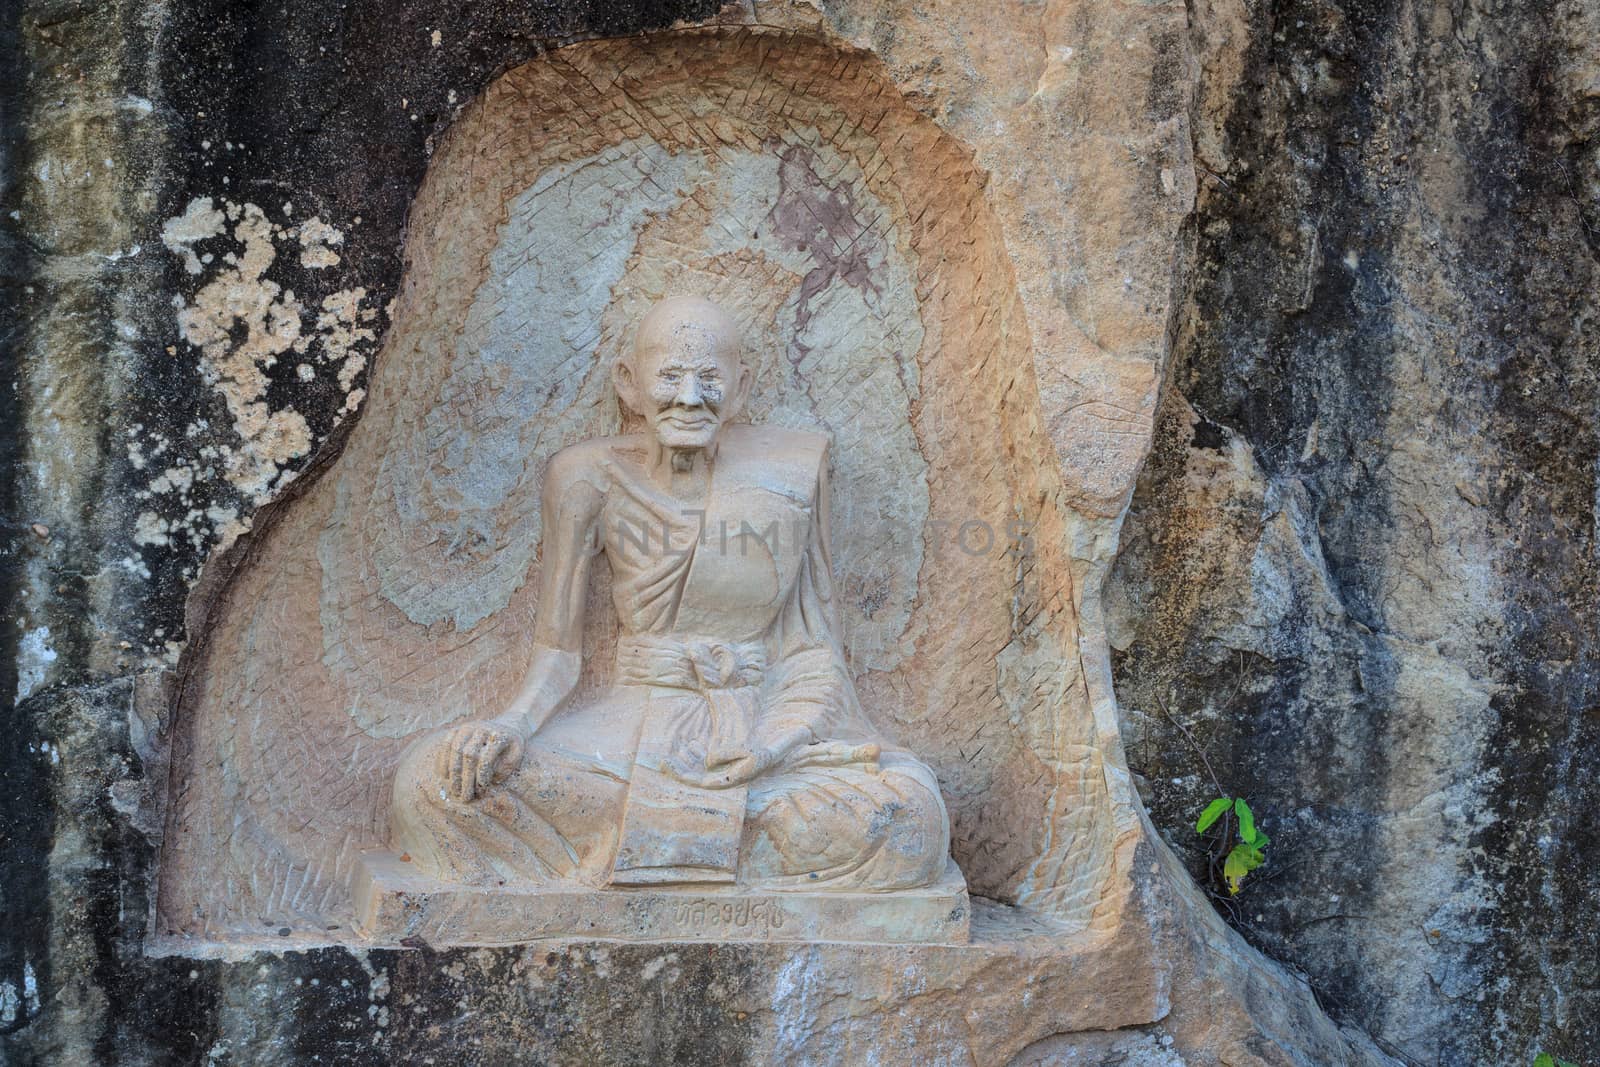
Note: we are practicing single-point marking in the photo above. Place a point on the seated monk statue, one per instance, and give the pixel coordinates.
(729, 746)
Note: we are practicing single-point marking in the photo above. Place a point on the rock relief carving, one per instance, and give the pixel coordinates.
(848, 238)
(730, 746)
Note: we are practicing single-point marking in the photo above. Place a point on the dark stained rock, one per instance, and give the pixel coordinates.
(1361, 566)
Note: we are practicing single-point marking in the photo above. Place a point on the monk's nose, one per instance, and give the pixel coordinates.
(689, 395)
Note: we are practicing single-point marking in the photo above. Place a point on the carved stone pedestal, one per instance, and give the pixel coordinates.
(396, 903)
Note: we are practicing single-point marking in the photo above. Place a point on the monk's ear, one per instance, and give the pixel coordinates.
(627, 386)
(742, 381)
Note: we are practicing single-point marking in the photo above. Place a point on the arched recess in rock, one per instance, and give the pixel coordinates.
(787, 178)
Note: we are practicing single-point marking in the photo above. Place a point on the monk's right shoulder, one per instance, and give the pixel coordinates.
(585, 461)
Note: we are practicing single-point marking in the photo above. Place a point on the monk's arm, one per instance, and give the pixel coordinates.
(571, 515)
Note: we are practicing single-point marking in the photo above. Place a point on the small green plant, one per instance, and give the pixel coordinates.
(1544, 1059)
(1247, 854)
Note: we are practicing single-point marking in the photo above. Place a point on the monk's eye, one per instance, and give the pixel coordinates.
(671, 377)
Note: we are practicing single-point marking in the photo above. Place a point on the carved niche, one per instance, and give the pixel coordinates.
(848, 239)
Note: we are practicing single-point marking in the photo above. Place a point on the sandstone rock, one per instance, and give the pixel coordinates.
(1331, 264)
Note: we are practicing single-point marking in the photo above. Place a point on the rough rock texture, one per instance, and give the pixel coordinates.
(1360, 569)
(201, 220)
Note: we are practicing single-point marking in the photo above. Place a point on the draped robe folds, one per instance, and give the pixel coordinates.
(729, 645)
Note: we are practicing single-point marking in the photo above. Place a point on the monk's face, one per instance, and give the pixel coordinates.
(685, 376)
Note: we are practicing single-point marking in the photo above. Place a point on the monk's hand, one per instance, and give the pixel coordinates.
(725, 770)
(474, 754)
(792, 752)
(731, 770)
(836, 754)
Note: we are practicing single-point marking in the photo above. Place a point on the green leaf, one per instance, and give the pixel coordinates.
(1240, 862)
(1236, 867)
(1262, 840)
(1544, 1059)
(1212, 813)
(1247, 821)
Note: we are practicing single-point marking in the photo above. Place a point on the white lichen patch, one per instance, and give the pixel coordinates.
(11, 1004)
(34, 656)
(317, 241)
(173, 479)
(352, 401)
(242, 322)
(343, 328)
(200, 221)
(227, 524)
(151, 529)
(239, 323)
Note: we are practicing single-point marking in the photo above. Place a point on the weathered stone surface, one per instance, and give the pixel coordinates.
(1091, 126)
(1360, 567)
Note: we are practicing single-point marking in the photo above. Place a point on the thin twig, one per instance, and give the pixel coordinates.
(1214, 858)
(1196, 744)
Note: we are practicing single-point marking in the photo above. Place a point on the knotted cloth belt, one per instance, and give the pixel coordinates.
(694, 663)
(726, 674)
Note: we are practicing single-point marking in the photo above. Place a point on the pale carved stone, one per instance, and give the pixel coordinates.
(395, 595)
(729, 747)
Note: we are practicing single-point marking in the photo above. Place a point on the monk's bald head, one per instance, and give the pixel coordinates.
(684, 373)
(687, 325)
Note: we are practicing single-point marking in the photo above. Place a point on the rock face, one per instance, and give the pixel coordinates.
(1356, 567)
(1360, 568)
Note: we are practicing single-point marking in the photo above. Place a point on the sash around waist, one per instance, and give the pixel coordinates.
(697, 664)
